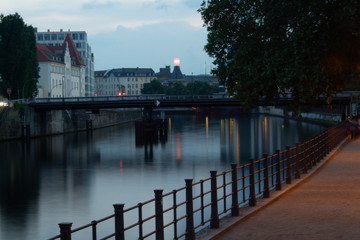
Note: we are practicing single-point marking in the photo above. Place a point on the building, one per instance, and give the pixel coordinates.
(80, 39)
(122, 81)
(62, 73)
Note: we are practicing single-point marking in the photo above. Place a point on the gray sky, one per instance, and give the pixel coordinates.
(126, 33)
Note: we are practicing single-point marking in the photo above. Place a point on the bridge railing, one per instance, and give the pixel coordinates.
(130, 97)
(181, 213)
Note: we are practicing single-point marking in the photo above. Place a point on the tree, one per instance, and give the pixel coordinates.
(19, 66)
(200, 88)
(262, 49)
(176, 88)
(154, 87)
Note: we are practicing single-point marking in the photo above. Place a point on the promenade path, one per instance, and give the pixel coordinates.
(324, 204)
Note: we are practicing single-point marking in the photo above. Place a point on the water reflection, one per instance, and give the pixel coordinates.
(77, 177)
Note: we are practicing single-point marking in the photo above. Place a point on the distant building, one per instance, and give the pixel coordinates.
(62, 73)
(167, 77)
(122, 81)
(164, 74)
(80, 39)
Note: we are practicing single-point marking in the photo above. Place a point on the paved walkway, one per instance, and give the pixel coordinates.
(324, 206)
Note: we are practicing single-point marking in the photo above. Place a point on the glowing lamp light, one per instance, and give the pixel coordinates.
(177, 61)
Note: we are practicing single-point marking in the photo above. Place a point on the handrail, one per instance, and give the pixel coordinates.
(250, 181)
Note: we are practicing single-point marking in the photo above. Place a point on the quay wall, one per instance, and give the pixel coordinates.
(53, 122)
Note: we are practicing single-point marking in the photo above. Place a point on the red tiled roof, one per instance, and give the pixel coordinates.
(72, 48)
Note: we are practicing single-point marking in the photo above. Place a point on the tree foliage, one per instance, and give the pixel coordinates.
(19, 66)
(178, 88)
(265, 48)
(154, 87)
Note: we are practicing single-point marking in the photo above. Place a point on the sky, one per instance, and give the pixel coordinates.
(126, 33)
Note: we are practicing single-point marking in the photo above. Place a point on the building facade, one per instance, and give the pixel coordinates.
(122, 81)
(62, 73)
(80, 40)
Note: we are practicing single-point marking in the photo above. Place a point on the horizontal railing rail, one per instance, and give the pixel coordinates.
(180, 213)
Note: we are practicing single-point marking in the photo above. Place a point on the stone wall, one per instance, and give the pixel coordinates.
(59, 121)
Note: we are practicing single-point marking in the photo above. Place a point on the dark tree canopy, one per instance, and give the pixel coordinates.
(154, 87)
(178, 88)
(19, 66)
(264, 48)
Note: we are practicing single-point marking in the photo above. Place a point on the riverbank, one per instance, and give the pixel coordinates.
(14, 121)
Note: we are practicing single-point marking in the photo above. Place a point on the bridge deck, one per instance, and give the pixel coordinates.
(165, 101)
(326, 206)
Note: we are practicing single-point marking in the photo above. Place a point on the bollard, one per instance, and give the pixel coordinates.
(65, 230)
(214, 223)
(252, 200)
(190, 232)
(119, 221)
(159, 216)
(266, 193)
(234, 185)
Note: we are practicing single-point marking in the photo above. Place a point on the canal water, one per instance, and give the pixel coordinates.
(76, 178)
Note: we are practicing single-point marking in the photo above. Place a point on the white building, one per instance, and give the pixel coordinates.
(122, 81)
(62, 73)
(80, 39)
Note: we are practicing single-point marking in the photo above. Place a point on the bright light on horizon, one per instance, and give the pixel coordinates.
(177, 61)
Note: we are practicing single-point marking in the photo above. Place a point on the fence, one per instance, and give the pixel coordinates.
(204, 203)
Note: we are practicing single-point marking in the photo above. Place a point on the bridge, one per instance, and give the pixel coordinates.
(162, 101)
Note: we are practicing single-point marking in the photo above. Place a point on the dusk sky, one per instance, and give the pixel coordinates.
(126, 33)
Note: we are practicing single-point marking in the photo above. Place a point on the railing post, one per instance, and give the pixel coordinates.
(297, 161)
(278, 173)
(119, 221)
(303, 157)
(65, 230)
(288, 165)
(94, 235)
(235, 200)
(266, 193)
(159, 216)
(252, 200)
(190, 232)
(214, 223)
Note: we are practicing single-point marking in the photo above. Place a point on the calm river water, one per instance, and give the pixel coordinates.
(71, 178)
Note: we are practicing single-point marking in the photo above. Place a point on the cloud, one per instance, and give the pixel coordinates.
(125, 33)
(153, 46)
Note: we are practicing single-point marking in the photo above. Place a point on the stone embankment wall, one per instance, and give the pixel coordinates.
(317, 116)
(12, 121)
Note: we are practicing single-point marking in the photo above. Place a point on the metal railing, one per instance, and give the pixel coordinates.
(130, 97)
(181, 213)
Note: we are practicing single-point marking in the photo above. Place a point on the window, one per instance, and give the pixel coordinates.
(61, 37)
(47, 37)
(75, 36)
(40, 37)
(53, 37)
(78, 45)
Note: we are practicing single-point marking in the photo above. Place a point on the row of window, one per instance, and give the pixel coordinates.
(60, 36)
